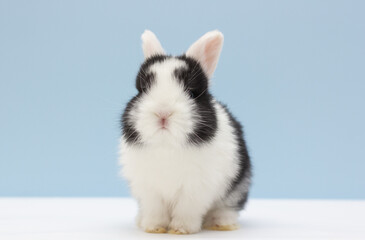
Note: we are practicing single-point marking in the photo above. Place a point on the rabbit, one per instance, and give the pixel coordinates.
(181, 151)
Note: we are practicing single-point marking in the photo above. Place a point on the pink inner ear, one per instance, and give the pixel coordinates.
(148, 50)
(152, 47)
(150, 44)
(211, 52)
(207, 50)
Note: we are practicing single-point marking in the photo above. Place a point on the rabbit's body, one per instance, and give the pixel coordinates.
(183, 154)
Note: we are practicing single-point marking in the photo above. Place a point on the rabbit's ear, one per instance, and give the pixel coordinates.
(207, 50)
(150, 44)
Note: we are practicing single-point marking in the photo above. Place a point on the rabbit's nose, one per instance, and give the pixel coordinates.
(163, 118)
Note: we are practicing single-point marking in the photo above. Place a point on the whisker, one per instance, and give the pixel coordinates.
(196, 64)
(194, 77)
(201, 94)
(206, 125)
(130, 135)
(144, 73)
(197, 136)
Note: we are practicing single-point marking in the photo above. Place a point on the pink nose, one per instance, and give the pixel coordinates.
(163, 116)
(163, 122)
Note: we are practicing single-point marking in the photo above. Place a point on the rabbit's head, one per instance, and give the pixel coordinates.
(173, 104)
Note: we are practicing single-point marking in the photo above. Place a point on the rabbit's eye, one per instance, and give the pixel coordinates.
(191, 94)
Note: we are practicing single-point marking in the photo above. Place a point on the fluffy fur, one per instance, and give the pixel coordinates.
(182, 151)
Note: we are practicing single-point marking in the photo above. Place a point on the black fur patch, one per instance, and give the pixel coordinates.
(196, 85)
(242, 201)
(193, 78)
(206, 126)
(145, 78)
(130, 133)
(244, 172)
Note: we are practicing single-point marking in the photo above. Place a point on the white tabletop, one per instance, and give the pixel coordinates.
(113, 218)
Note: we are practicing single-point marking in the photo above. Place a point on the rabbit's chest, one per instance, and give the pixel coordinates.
(168, 171)
(168, 167)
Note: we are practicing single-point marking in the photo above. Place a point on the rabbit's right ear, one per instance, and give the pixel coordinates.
(150, 45)
(207, 50)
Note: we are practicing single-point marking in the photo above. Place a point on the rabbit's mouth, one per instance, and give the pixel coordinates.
(163, 119)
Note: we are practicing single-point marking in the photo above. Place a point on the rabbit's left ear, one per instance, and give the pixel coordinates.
(207, 50)
(150, 44)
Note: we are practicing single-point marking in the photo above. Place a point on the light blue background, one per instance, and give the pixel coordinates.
(291, 71)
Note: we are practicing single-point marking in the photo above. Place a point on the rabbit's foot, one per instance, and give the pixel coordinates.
(156, 230)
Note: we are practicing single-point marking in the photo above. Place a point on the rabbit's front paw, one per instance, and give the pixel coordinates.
(184, 227)
(153, 225)
(154, 228)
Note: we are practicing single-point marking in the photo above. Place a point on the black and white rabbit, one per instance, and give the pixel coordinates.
(182, 151)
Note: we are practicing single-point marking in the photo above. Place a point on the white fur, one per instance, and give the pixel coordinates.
(150, 44)
(178, 184)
